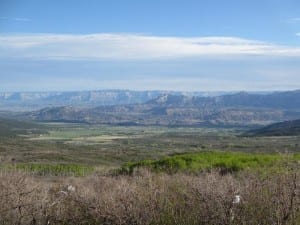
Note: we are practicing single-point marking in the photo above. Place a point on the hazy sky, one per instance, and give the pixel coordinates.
(196, 45)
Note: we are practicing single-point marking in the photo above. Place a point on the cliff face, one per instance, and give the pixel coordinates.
(27, 100)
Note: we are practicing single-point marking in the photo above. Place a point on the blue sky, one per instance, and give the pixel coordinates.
(159, 44)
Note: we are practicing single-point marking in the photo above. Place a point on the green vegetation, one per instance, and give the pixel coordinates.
(226, 161)
(75, 149)
(112, 146)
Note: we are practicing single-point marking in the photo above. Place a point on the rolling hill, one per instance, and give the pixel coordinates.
(286, 128)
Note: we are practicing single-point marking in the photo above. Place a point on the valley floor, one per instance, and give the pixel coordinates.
(63, 173)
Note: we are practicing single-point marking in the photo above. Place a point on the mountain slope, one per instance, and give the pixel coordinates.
(174, 110)
(286, 128)
(279, 100)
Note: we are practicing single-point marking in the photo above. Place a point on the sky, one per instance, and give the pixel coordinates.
(188, 45)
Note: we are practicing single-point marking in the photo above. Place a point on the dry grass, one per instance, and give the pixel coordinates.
(149, 198)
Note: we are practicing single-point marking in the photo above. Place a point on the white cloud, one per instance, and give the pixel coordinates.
(21, 19)
(298, 34)
(294, 20)
(168, 84)
(132, 46)
(17, 19)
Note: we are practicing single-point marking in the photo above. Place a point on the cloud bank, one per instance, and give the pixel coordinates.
(133, 46)
(135, 61)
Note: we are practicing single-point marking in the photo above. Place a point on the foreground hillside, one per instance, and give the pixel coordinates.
(241, 109)
(147, 198)
(72, 173)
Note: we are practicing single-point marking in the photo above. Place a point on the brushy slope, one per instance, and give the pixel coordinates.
(12, 127)
(55, 169)
(152, 199)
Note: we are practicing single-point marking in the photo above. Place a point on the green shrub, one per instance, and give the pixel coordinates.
(195, 162)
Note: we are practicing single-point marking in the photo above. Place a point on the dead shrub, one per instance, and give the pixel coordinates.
(151, 198)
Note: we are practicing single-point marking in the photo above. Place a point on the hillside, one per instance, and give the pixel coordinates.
(286, 128)
(11, 127)
(241, 109)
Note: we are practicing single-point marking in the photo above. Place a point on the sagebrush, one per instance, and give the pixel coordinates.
(152, 198)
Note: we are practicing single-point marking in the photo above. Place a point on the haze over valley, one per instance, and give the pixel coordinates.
(173, 112)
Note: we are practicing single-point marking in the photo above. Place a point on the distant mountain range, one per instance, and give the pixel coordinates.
(239, 109)
(286, 128)
(276, 100)
(38, 100)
